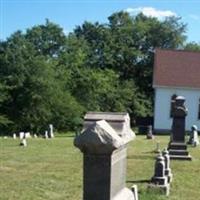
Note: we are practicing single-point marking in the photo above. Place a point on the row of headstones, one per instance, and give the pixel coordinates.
(105, 164)
(104, 148)
(25, 135)
(193, 138)
(162, 173)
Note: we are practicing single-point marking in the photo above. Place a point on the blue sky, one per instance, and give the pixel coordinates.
(23, 14)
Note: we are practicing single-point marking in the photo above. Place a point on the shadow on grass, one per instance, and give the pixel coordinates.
(139, 181)
(141, 157)
(65, 136)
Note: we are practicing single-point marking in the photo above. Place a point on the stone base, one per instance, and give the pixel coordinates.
(125, 194)
(181, 157)
(178, 151)
(169, 176)
(162, 189)
(159, 180)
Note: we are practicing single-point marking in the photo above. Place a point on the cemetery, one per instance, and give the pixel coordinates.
(53, 169)
(113, 162)
(107, 110)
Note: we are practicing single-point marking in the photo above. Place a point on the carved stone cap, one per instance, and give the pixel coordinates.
(194, 128)
(99, 138)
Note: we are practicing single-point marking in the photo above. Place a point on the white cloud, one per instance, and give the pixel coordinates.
(195, 17)
(151, 12)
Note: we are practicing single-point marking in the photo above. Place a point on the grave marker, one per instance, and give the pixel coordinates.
(104, 165)
(194, 140)
(160, 181)
(177, 146)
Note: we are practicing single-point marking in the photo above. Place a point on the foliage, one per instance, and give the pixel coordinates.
(48, 77)
(192, 46)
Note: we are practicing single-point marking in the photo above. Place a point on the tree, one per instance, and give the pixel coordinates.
(192, 46)
(36, 95)
(47, 39)
(47, 77)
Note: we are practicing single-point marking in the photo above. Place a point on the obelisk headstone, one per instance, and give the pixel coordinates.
(177, 146)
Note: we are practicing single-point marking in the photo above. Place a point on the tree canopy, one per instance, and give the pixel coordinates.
(49, 77)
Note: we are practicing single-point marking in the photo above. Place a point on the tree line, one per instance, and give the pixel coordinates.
(49, 77)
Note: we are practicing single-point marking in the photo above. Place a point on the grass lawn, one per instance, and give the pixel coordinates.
(52, 169)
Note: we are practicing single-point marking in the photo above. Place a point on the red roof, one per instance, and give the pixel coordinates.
(176, 68)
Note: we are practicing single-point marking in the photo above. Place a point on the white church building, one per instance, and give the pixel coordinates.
(176, 73)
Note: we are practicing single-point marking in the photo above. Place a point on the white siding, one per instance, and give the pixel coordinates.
(162, 105)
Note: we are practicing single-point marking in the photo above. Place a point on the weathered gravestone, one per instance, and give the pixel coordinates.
(21, 135)
(46, 134)
(14, 136)
(23, 141)
(177, 146)
(104, 165)
(168, 172)
(51, 134)
(149, 133)
(120, 122)
(160, 181)
(27, 135)
(194, 140)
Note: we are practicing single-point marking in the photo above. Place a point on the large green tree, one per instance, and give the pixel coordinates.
(37, 96)
(48, 77)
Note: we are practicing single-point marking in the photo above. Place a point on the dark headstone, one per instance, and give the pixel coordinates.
(160, 180)
(150, 133)
(177, 146)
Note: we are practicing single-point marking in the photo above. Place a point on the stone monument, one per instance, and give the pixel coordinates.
(46, 135)
(194, 140)
(119, 121)
(27, 135)
(177, 147)
(168, 172)
(14, 136)
(51, 134)
(149, 132)
(23, 141)
(104, 168)
(160, 181)
(21, 135)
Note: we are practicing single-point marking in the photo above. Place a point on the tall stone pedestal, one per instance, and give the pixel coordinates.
(104, 168)
(178, 151)
(177, 147)
(105, 175)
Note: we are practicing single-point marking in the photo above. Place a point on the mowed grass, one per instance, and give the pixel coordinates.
(52, 169)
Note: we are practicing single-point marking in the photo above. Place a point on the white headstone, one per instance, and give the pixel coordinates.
(46, 134)
(14, 136)
(194, 140)
(23, 142)
(35, 135)
(51, 131)
(27, 135)
(21, 135)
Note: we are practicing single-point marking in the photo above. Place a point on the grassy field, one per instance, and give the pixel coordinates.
(52, 169)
